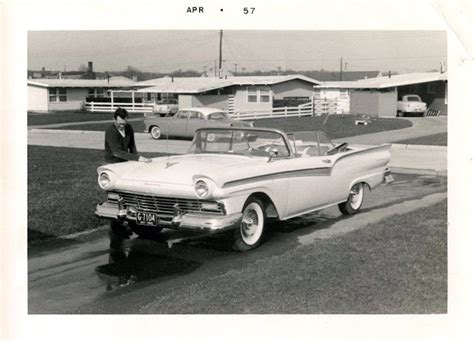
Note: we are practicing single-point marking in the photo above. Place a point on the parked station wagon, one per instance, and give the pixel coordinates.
(186, 121)
(240, 178)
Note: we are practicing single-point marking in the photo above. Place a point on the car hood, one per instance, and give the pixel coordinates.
(180, 170)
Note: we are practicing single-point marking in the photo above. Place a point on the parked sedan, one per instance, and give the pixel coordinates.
(186, 121)
(240, 178)
(166, 107)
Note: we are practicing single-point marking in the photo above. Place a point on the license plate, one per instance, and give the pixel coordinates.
(146, 218)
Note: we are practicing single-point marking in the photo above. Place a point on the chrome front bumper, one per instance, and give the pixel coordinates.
(188, 221)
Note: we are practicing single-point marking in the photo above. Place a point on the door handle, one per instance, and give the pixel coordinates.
(326, 161)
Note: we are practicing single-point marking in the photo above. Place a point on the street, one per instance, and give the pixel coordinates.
(286, 274)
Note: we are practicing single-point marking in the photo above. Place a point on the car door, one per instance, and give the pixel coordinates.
(177, 124)
(195, 121)
(311, 183)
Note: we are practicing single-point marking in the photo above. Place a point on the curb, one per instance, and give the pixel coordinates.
(59, 131)
(76, 132)
(433, 172)
(418, 147)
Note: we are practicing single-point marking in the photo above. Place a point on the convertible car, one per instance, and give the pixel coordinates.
(238, 179)
(187, 120)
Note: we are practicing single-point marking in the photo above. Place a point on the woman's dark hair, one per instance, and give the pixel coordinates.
(121, 112)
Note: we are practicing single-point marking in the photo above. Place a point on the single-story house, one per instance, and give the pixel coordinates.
(233, 94)
(378, 96)
(69, 94)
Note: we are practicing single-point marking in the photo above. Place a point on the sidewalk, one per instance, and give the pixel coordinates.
(405, 158)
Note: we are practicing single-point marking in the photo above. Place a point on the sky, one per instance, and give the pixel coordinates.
(167, 50)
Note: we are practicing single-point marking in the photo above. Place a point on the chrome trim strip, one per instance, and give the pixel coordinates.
(322, 171)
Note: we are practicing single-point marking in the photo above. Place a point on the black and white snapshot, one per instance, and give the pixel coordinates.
(237, 171)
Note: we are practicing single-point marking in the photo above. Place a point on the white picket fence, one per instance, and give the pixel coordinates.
(111, 107)
(299, 111)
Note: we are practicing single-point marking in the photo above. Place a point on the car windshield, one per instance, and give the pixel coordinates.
(413, 99)
(239, 141)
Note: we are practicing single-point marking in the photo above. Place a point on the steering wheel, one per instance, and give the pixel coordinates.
(336, 149)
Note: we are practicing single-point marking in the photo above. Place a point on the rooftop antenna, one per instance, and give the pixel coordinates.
(220, 53)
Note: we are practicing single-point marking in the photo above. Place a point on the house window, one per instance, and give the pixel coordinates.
(57, 94)
(252, 94)
(258, 94)
(264, 95)
(91, 92)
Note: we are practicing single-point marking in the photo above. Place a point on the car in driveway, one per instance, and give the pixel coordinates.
(411, 104)
(167, 107)
(239, 179)
(187, 120)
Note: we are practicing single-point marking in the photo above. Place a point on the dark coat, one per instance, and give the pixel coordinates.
(118, 148)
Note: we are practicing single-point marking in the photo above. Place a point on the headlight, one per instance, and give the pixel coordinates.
(104, 180)
(201, 188)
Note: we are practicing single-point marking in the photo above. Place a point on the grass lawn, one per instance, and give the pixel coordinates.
(69, 117)
(431, 140)
(396, 266)
(337, 126)
(62, 190)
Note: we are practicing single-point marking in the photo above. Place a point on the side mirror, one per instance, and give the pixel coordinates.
(273, 154)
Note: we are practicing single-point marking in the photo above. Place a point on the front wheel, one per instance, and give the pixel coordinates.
(354, 201)
(155, 132)
(249, 234)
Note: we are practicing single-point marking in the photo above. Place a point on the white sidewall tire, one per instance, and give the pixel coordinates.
(354, 200)
(250, 231)
(155, 132)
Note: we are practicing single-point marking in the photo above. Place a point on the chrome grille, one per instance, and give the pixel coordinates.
(164, 206)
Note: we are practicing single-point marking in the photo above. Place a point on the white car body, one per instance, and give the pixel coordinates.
(411, 104)
(166, 107)
(302, 178)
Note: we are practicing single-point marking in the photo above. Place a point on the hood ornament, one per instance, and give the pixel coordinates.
(169, 164)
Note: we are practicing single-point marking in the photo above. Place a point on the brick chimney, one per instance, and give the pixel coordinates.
(90, 67)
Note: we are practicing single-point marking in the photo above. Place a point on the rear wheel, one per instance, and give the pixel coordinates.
(250, 232)
(155, 132)
(354, 201)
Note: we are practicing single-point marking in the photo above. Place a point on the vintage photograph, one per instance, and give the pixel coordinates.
(231, 171)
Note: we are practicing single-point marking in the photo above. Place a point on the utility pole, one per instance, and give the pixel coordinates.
(220, 53)
(235, 68)
(340, 71)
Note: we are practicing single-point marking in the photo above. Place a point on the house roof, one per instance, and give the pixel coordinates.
(82, 83)
(202, 84)
(333, 76)
(388, 82)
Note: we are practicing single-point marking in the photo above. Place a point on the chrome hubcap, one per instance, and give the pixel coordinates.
(155, 132)
(356, 195)
(250, 223)
(251, 227)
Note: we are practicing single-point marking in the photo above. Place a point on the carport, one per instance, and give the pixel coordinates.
(378, 96)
